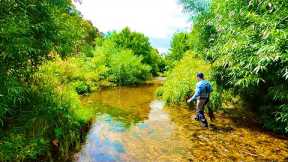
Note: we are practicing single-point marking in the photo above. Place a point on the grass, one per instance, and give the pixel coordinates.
(181, 80)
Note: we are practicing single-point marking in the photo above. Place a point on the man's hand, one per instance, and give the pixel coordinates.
(189, 100)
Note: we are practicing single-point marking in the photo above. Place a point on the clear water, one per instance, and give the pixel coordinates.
(132, 125)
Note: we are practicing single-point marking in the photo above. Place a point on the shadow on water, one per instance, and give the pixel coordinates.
(134, 126)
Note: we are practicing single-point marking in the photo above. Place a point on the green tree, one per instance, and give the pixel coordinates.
(30, 30)
(32, 111)
(126, 68)
(179, 45)
(139, 44)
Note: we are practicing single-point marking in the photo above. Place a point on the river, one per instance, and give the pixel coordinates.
(133, 125)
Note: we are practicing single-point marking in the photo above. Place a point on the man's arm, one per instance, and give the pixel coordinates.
(210, 87)
(196, 94)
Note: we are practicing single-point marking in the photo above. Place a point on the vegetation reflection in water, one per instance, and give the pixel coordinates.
(133, 126)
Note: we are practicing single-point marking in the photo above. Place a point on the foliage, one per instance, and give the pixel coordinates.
(107, 66)
(181, 81)
(24, 148)
(139, 44)
(123, 66)
(33, 121)
(35, 108)
(30, 30)
(247, 44)
(127, 68)
(11, 92)
(82, 88)
(179, 45)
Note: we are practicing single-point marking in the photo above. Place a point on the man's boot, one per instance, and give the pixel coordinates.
(202, 119)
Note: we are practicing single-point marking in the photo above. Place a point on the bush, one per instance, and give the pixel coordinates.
(139, 44)
(126, 68)
(17, 147)
(46, 110)
(11, 93)
(34, 120)
(82, 88)
(181, 82)
(122, 66)
(52, 115)
(108, 66)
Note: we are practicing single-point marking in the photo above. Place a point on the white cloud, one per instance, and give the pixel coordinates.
(157, 19)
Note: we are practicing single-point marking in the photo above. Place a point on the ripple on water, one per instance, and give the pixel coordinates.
(132, 126)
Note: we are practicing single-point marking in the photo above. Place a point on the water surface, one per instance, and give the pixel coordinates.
(132, 125)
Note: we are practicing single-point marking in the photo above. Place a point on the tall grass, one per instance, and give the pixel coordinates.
(181, 81)
(44, 115)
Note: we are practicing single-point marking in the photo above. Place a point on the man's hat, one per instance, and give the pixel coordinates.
(200, 75)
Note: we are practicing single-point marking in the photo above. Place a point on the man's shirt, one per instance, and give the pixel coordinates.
(203, 89)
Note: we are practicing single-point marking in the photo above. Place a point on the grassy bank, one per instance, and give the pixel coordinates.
(181, 79)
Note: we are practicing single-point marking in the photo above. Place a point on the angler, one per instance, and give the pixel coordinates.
(201, 95)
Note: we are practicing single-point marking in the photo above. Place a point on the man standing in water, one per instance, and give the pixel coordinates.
(202, 94)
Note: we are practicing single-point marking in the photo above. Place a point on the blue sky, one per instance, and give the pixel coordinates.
(157, 19)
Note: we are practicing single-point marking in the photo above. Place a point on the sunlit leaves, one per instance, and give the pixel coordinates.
(31, 29)
(139, 44)
(179, 45)
(181, 80)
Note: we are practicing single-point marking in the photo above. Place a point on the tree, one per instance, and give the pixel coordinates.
(139, 44)
(179, 45)
(30, 30)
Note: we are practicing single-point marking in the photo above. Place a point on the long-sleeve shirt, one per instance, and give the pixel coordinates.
(203, 89)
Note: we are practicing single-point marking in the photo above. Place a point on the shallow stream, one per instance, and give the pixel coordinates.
(132, 125)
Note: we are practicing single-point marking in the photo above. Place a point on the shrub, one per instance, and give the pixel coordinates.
(181, 80)
(11, 93)
(48, 109)
(81, 88)
(126, 68)
(139, 44)
(17, 147)
(122, 66)
(35, 119)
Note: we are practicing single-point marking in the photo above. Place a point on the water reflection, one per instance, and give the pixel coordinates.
(110, 140)
(102, 144)
(133, 126)
(127, 104)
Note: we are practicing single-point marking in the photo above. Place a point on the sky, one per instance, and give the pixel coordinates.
(157, 19)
